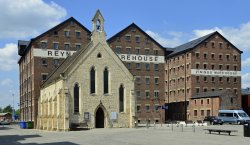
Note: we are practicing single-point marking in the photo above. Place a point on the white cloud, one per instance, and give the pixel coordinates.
(8, 57)
(245, 63)
(172, 42)
(239, 36)
(245, 78)
(24, 18)
(6, 82)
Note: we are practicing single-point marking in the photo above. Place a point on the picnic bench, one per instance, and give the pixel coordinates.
(220, 130)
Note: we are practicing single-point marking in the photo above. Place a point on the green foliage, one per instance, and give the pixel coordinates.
(18, 112)
(7, 109)
(1, 110)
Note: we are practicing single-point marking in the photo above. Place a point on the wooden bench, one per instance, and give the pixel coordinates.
(220, 130)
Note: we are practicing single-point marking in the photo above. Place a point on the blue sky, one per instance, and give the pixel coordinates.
(171, 23)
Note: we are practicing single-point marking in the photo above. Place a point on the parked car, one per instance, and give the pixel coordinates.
(213, 120)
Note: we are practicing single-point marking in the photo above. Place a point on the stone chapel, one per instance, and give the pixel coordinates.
(92, 86)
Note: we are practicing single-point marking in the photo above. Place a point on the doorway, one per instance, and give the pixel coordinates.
(99, 118)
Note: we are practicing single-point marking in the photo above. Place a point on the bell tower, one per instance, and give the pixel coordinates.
(98, 27)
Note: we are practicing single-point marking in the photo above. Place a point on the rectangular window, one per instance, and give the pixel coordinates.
(228, 57)
(44, 61)
(66, 33)
(129, 65)
(205, 56)
(147, 80)
(220, 44)
(228, 79)
(201, 102)
(128, 50)
(147, 107)
(205, 66)
(44, 77)
(137, 39)
(235, 80)
(56, 45)
(197, 65)
(204, 89)
(208, 113)
(138, 93)
(156, 66)
(235, 67)
(138, 79)
(78, 46)
(66, 46)
(195, 112)
(147, 65)
(157, 106)
(212, 79)
(156, 52)
(138, 66)
(78, 34)
(138, 108)
(212, 66)
(56, 62)
(197, 79)
(147, 94)
(137, 51)
(127, 37)
(213, 45)
(156, 81)
(220, 66)
(118, 50)
(212, 56)
(227, 67)
(235, 57)
(207, 101)
(202, 112)
(220, 56)
(197, 55)
(156, 94)
(205, 79)
(43, 45)
(197, 90)
(220, 79)
(146, 51)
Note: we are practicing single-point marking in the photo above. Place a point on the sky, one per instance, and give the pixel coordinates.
(170, 22)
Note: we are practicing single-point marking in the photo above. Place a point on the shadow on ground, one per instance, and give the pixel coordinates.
(14, 139)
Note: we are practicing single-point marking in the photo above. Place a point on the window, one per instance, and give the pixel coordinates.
(147, 80)
(146, 51)
(207, 101)
(138, 108)
(205, 56)
(195, 102)
(147, 94)
(44, 77)
(66, 33)
(220, 66)
(156, 52)
(128, 50)
(212, 44)
(212, 79)
(78, 34)
(129, 65)
(147, 65)
(213, 89)
(56, 62)
(137, 39)
(99, 55)
(197, 55)
(220, 56)
(202, 112)
(127, 37)
(156, 66)
(156, 81)
(228, 57)
(44, 61)
(228, 45)
(43, 45)
(235, 57)
(197, 65)
(92, 80)
(201, 102)
(76, 98)
(137, 51)
(197, 79)
(235, 80)
(208, 113)
(205, 66)
(212, 66)
(118, 50)
(147, 107)
(204, 89)
(121, 98)
(212, 55)
(138, 66)
(235, 91)
(66, 46)
(55, 33)
(228, 79)
(138, 79)
(156, 94)
(137, 93)
(106, 81)
(56, 45)
(195, 112)
(235, 67)
(197, 90)
(220, 79)
(220, 44)
(78, 46)
(205, 79)
(231, 100)
(227, 67)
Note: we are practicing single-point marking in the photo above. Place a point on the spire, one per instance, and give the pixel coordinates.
(98, 33)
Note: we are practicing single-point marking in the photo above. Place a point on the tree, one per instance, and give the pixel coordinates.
(7, 109)
(18, 112)
(1, 110)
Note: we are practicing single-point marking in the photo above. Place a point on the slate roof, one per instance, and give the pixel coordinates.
(137, 27)
(192, 44)
(245, 91)
(209, 94)
(23, 42)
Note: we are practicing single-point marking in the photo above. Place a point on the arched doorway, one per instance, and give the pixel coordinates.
(99, 118)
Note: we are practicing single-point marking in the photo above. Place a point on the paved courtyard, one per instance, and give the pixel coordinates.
(12, 134)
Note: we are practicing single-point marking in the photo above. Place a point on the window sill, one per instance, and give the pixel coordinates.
(93, 94)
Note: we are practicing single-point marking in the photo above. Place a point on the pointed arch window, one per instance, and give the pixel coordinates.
(106, 81)
(92, 80)
(121, 98)
(76, 98)
(98, 25)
